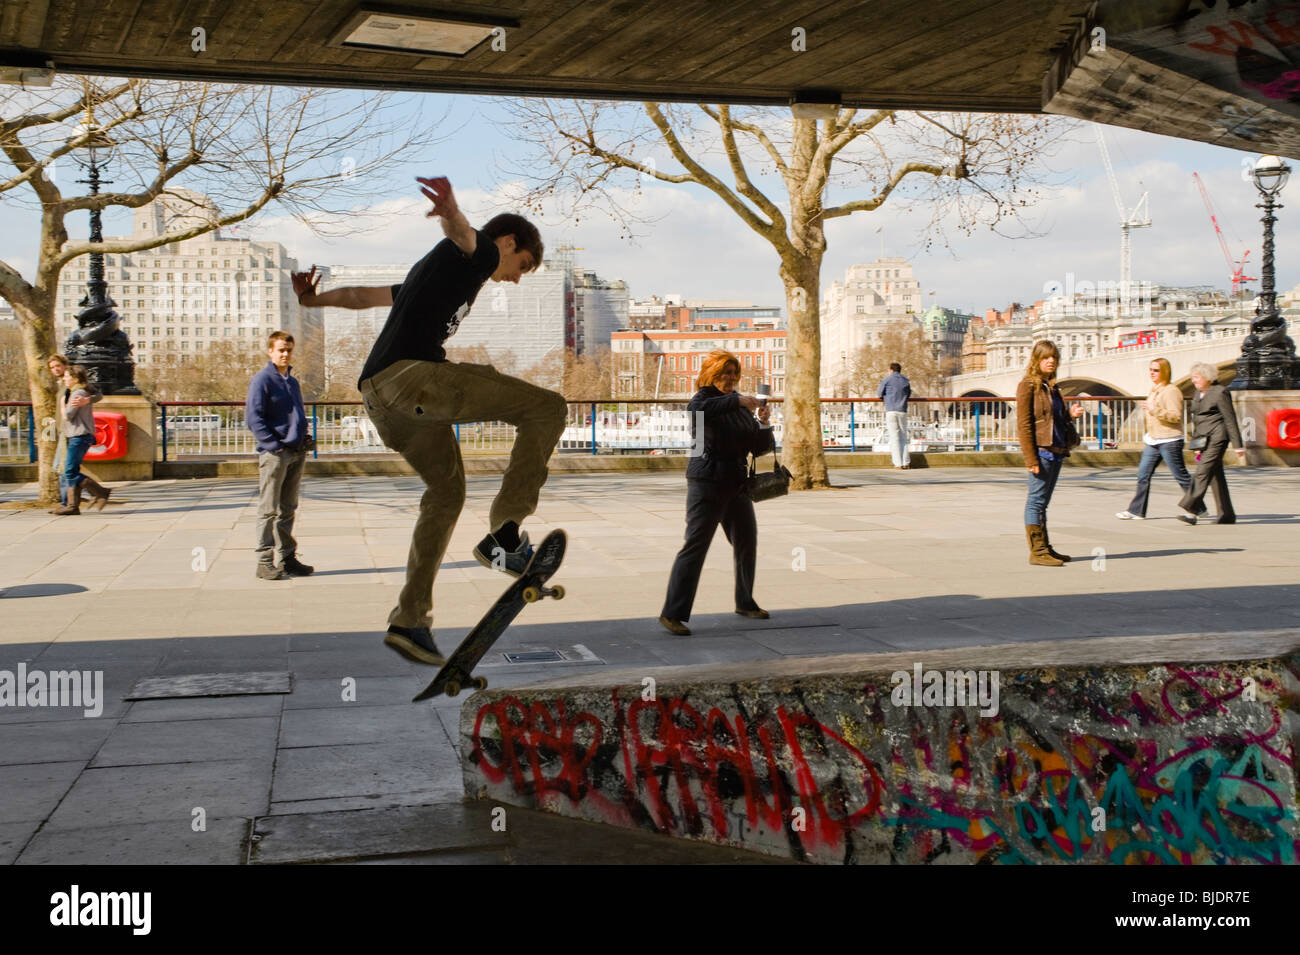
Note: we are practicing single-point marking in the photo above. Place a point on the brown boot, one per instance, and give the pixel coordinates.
(1047, 540)
(74, 502)
(1038, 553)
(98, 493)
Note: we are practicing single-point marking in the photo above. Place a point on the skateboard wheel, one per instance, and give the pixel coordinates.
(452, 688)
(557, 592)
(480, 682)
(531, 595)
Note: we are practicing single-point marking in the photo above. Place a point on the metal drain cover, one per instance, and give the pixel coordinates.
(211, 684)
(534, 656)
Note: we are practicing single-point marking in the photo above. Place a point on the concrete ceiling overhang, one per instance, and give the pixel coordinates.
(949, 54)
(1225, 72)
(1219, 71)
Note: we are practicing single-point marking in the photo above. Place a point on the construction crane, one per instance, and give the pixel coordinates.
(1235, 267)
(1138, 218)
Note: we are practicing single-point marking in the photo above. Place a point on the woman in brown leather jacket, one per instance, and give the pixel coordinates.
(1046, 437)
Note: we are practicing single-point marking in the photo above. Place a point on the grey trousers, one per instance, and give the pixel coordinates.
(413, 405)
(278, 477)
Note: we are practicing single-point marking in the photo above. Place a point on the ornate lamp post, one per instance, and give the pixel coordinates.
(1268, 359)
(99, 343)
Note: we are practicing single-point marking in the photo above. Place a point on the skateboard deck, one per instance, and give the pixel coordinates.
(456, 673)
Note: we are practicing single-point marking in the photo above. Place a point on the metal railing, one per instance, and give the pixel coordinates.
(17, 432)
(218, 428)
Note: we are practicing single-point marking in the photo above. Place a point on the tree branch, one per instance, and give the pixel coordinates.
(868, 205)
(134, 200)
(777, 159)
(705, 178)
(72, 250)
(743, 184)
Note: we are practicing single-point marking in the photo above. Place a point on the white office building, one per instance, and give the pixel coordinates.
(855, 312)
(176, 299)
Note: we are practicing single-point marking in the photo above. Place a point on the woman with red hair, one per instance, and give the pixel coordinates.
(715, 494)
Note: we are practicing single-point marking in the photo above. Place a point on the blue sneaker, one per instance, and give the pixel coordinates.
(493, 556)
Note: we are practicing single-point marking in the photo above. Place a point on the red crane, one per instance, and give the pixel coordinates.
(1235, 267)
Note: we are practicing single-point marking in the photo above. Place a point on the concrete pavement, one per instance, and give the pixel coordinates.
(162, 584)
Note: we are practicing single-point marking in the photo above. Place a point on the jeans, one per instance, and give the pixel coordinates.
(1041, 486)
(1171, 452)
(708, 504)
(896, 429)
(78, 445)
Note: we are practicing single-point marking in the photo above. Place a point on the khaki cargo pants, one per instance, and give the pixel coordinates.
(413, 405)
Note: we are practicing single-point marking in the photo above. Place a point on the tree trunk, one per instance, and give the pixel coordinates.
(38, 335)
(801, 443)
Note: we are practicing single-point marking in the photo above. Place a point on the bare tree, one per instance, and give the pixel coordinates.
(315, 154)
(967, 169)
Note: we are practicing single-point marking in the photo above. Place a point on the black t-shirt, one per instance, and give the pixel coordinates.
(429, 304)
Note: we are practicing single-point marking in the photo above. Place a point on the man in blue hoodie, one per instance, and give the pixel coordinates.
(896, 389)
(275, 415)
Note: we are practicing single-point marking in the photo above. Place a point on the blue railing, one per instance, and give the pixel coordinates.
(217, 429)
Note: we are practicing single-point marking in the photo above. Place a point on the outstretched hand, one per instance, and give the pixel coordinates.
(438, 191)
(304, 282)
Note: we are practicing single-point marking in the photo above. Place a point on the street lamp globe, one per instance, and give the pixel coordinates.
(1271, 175)
(97, 148)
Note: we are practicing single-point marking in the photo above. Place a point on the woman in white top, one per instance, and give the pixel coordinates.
(1163, 439)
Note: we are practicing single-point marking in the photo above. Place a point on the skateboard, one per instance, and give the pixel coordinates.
(456, 673)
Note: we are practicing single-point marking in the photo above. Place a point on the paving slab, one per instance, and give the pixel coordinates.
(30, 792)
(222, 842)
(52, 742)
(188, 741)
(204, 708)
(322, 772)
(166, 792)
(346, 725)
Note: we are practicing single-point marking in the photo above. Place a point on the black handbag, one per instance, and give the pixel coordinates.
(1198, 443)
(769, 484)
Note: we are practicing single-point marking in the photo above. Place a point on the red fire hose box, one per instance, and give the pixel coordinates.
(1284, 429)
(110, 437)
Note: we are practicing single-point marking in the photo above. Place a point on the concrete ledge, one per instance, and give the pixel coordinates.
(1176, 749)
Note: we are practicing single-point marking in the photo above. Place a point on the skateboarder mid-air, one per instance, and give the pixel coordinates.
(414, 396)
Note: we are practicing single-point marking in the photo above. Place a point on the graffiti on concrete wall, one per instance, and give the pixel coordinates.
(1084, 768)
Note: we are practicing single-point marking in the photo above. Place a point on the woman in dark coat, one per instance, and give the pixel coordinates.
(715, 492)
(1214, 419)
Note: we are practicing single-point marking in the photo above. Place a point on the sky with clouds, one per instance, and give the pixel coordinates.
(690, 243)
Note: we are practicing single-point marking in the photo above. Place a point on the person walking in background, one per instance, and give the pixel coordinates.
(1214, 421)
(57, 365)
(274, 413)
(79, 429)
(1163, 439)
(896, 390)
(715, 489)
(1046, 437)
